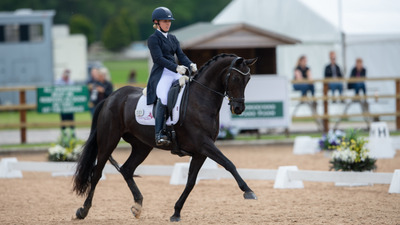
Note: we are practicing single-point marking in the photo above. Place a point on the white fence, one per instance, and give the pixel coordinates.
(284, 177)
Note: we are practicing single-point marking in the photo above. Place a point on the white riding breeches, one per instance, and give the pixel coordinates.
(163, 86)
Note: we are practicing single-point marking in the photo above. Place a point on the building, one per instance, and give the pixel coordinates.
(26, 56)
(202, 41)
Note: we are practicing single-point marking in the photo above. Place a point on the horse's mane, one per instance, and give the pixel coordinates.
(214, 59)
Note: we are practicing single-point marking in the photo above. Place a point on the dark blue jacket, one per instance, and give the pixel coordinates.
(328, 71)
(353, 74)
(163, 52)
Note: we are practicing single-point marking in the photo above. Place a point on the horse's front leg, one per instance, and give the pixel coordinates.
(211, 151)
(195, 165)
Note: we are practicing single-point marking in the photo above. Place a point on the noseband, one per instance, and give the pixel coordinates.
(226, 92)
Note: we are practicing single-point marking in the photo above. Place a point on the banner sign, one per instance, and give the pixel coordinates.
(62, 99)
(261, 110)
(267, 105)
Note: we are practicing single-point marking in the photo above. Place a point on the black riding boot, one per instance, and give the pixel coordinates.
(161, 138)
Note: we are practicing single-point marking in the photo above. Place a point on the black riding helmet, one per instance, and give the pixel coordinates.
(162, 13)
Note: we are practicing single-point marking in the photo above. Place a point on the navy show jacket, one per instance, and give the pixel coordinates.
(163, 52)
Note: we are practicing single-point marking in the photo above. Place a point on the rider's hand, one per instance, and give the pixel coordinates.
(183, 80)
(193, 67)
(181, 69)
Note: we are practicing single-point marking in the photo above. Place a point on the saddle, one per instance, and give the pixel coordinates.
(173, 94)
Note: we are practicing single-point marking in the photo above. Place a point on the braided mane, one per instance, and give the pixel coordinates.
(214, 59)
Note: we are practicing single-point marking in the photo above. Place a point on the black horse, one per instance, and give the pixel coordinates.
(222, 76)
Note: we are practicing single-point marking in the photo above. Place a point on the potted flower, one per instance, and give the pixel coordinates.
(68, 147)
(331, 140)
(227, 133)
(352, 154)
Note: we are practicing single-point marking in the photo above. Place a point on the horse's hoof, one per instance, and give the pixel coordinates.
(136, 210)
(79, 214)
(250, 195)
(175, 219)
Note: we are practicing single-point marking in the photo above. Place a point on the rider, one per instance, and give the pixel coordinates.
(163, 46)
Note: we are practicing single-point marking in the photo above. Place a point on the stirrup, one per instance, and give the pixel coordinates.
(162, 140)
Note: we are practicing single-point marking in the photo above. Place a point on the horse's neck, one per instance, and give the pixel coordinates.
(212, 78)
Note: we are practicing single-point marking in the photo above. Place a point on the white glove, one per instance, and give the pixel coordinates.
(181, 69)
(183, 79)
(193, 67)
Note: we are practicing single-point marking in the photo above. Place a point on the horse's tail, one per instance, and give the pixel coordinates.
(87, 160)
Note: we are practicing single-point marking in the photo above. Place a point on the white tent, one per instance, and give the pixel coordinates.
(371, 31)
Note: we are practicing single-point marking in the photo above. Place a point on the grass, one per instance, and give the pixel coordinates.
(120, 70)
(35, 117)
(119, 75)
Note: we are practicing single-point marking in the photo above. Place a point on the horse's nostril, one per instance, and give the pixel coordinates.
(238, 110)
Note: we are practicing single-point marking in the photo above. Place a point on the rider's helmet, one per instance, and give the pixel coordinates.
(162, 13)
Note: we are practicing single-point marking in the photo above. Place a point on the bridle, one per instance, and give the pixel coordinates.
(226, 91)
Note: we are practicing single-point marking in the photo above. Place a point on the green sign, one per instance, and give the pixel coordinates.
(62, 99)
(261, 110)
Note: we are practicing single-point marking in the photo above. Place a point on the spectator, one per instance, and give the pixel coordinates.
(357, 72)
(132, 76)
(65, 80)
(302, 72)
(94, 74)
(333, 71)
(100, 89)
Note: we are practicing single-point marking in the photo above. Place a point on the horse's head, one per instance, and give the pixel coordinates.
(236, 79)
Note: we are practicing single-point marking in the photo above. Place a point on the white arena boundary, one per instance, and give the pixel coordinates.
(285, 177)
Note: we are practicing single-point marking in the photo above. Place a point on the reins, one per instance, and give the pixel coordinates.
(226, 92)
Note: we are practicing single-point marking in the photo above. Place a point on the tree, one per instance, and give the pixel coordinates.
(116, 34)
(131, 23)
(80, 24)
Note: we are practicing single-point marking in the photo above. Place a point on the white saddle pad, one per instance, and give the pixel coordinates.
(144, 112)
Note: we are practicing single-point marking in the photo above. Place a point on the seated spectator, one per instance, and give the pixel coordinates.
(333, 71)
(302, 72)
(357, 72)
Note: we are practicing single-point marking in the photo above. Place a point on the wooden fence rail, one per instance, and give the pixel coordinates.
(326, 117)
(23, 107)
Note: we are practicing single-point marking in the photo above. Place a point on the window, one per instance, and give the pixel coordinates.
(14, 33)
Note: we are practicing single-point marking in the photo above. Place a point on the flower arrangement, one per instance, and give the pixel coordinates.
(352, 155)
(226, 133)
(331, 140)
(68, 147)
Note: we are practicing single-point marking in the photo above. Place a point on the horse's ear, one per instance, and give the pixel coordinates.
(239, 61)
(250, 62)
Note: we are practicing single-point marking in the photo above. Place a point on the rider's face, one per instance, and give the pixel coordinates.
(165, 25)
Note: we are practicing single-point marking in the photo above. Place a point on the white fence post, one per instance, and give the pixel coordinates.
(305, 145)
(380, 143)
(282, 180)
(6, 171)
(395, 184)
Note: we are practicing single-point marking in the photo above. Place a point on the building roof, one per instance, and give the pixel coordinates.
(290, 17)
(27, 13)
(208, 36)
(316, 21)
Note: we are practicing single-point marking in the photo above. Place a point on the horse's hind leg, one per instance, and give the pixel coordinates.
(81, 213)
(139, 153)
(106, 147)
(195, 166)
